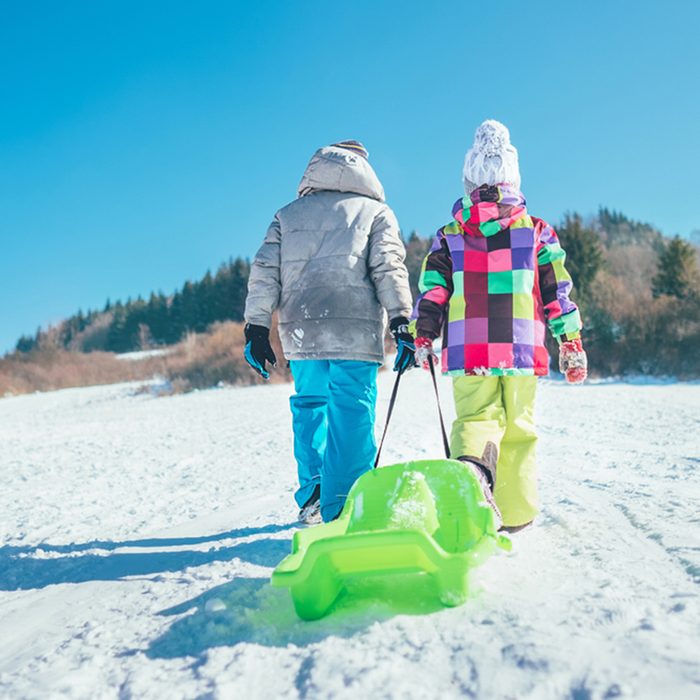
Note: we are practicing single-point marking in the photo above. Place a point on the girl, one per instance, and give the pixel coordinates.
(494, 277)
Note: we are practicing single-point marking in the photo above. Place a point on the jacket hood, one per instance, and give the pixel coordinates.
(340, 170)
(489, 210)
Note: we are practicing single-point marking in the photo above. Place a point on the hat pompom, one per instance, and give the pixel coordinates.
(492, 137)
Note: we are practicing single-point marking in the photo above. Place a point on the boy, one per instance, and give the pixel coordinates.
(332, 263)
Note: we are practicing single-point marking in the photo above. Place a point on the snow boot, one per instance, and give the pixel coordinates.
(515, 528)
(310, 512)
(484, 468)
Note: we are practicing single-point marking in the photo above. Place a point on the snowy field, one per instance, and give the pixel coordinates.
(137, 535)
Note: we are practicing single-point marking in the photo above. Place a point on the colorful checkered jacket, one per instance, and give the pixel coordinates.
(492, 279)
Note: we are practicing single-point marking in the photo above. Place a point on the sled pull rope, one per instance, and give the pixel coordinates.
(445, 439)
(392, 403)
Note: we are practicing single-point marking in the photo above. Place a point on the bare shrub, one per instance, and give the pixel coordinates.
(50, 368)
(635, 266)
(94, 337)
(204, 360)
(200, 361)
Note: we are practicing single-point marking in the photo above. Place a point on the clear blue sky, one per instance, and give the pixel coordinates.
(144, 142)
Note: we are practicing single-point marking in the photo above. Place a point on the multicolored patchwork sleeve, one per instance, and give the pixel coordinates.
(435, 286)
(561, 314)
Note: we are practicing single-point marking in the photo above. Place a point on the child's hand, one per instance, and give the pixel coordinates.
(405, 346)
(258, 350)
(573, 363)
(424, 351)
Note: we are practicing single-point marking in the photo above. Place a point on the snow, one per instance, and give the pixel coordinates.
(408, 509)
(138, 355)
(137, 535)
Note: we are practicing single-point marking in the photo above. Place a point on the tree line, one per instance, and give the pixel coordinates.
(639, 294)
(160, 320)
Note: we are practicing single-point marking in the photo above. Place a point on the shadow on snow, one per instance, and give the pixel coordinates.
(243, 610)
(251, 610)
(26, 567)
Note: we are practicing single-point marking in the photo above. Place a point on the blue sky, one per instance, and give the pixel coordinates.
(142, 143)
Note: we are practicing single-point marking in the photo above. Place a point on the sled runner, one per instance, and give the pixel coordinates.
(425, 517)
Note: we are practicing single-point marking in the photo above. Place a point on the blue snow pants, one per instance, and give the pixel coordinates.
(333, 412)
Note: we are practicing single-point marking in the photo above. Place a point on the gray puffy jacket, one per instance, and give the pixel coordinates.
(331, 261)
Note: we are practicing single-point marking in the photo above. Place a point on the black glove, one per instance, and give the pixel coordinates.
(405, 345)
(258, 349)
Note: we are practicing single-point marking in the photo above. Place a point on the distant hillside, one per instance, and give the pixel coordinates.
(639, 294)
(615, 229)
(162, 320)
(638, 291)
(165, 320)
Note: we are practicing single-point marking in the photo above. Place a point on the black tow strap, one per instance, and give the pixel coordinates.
(392, 403)
(445, 439)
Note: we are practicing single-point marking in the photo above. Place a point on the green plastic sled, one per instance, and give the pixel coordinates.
(425, 517)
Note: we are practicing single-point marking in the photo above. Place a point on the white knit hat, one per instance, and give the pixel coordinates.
(492, 159)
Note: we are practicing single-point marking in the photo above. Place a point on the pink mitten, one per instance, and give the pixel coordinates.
(573, 363)
(424, 350)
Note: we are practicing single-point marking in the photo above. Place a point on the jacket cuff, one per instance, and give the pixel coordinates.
(259, 320)
(397, 322)
(423, 333)
(564, 338)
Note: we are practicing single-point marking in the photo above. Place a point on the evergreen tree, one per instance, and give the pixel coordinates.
(236, 289)
(584, 254)
(189, 307)
(25, 344)
(176, 321)
(416, 250)
(116, 336)
(677, 272)
(157, 318)
(160, 320)
(205, 294)
(616, 229)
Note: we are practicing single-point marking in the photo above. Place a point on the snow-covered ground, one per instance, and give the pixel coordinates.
(143, 354)
(137, 535)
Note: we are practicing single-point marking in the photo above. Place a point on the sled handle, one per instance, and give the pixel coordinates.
(392, 403)
(445, 439)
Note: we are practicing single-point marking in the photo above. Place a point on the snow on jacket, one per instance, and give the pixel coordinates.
(492, 280)
(332, 262)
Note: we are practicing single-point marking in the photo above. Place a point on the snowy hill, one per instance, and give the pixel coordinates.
(137, 535)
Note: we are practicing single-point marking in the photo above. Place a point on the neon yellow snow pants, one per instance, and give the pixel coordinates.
(500, 410)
